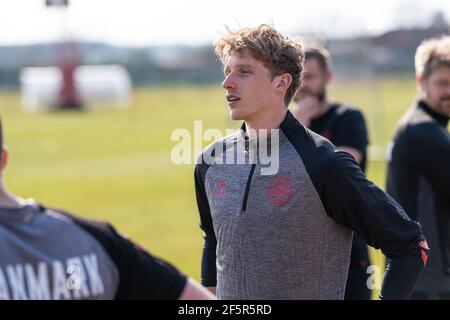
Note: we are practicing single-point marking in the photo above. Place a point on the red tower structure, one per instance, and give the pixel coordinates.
(67, 61)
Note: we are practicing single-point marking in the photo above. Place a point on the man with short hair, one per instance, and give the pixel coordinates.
(346, 128)
(50, 254)
(287, 234)
(419, 163)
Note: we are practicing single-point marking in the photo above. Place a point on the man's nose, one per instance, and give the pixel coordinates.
(228, 82)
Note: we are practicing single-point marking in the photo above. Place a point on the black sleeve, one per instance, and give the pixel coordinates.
(142, 275)
(352, 132)
(355, 202)
(430, 145)
(209, 271)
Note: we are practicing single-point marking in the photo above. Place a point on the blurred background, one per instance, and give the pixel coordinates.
(130, 72)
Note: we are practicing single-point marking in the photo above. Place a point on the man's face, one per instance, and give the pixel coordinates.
(437, 90)
(250, 90)
(314, 80)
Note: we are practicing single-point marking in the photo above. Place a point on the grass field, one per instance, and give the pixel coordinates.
(115, 164)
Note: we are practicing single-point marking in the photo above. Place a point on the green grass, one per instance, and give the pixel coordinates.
(115, 164)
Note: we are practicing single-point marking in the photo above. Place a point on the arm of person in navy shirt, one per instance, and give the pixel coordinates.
(141, 274)
(351, 135)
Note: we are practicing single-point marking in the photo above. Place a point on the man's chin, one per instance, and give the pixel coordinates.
(236, 115)
(445, 108)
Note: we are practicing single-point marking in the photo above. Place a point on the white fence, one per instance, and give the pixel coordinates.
(97, 85)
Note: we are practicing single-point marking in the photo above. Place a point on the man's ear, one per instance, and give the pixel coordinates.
(4, 159)
(283, 82)
(421, 84)
(328, 76)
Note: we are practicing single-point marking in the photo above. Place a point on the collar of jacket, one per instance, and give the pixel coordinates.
(288, 124)
(440, 118)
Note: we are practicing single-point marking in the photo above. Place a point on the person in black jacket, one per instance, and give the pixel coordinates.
(419, 163)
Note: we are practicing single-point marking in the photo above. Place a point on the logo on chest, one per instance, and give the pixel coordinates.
(219, 190)
(280, 191)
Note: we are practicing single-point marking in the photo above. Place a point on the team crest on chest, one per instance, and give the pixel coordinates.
(219, 191)
(280, 191)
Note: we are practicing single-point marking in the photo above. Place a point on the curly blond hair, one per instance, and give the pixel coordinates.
(278, 53)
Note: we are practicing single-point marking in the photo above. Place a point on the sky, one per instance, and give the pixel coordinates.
(193, 22)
